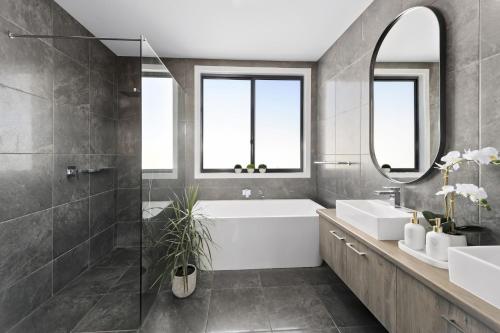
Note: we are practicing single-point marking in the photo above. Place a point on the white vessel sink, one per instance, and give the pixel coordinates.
(377, 218)
(477, 270)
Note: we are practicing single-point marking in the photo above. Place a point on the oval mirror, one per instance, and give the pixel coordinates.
(407, 114)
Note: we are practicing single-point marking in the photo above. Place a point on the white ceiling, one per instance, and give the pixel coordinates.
(414, 38)
(299, 30)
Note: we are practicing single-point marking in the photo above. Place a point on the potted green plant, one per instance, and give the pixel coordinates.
(262, 168)
(238, 168)
(250, 168)
(186, 240)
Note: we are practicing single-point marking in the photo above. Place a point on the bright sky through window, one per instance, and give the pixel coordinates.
(157, 123)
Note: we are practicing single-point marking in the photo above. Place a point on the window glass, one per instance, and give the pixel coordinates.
(226, 123)
(278, 123)
(157, 123)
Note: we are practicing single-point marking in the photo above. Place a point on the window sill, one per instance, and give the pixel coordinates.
(255, 175)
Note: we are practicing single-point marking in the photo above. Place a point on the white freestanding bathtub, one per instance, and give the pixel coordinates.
(251, 234)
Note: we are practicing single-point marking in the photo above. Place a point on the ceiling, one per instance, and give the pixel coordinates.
(288, 30)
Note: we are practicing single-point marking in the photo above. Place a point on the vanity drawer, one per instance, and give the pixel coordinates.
(338, 252)
(458, 321)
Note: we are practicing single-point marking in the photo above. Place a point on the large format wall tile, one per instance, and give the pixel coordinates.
(26, 64)
(71, 225)
(33, 16)
(25, 181)
(129, 139)
(25, 245)
(67, 189)
(70, 265)
(101, 95)
(102, 135)
(490, 102)
(26, 125)
(71, 129)
(71, 81)
(102, 211)
(25, 296)
(104, 180)
(490, 39)
(65, 24)
(128, 205)
(101, 245)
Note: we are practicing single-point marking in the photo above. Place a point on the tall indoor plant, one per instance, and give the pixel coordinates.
(186, 241)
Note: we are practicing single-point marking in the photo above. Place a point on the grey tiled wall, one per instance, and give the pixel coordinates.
(473, 100)
(57, 109)
(183, 71)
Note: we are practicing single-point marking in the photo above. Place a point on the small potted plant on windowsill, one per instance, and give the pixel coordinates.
(262, 168)
(238, 168)
(250, 168)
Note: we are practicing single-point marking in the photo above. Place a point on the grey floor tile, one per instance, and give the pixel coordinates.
(363, 329)
(113, 312)
(322, 330)
(171, 314)
(59, 315)
(237, 310)
(121, 257)
(319, 275)
(281, 277)
(236, 279)
(295, 307)
(129, 282)
(344, 307)
(96, 281)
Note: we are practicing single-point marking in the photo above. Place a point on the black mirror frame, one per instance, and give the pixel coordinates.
(442, 91)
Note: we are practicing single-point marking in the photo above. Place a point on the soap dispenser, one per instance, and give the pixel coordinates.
(437, 243)
(414, 234)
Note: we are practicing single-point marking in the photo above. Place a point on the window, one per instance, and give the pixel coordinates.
(157, 123)
(396, 115)
(254, 119)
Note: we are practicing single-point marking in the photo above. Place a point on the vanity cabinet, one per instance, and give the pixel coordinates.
(367, 274)
(397, 299)
(420, 310)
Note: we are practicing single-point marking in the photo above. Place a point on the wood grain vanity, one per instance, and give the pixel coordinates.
(405, 295)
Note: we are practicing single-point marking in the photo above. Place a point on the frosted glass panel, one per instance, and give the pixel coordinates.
(278, 123)
(157, 123)
(226, 123)
(394, 123)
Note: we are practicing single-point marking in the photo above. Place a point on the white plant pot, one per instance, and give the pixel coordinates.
(262, 170)
(179, 289)
(237, 170)
(250, 170)
(457, 240)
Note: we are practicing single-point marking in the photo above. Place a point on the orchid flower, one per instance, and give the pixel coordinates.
(451, 161)
(482, 156)
(476, 194)
(445, 190)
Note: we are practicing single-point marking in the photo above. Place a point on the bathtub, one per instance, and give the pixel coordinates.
(252, 234)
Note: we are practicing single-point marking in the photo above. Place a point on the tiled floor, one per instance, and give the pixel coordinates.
(303, 300)
(104, 298)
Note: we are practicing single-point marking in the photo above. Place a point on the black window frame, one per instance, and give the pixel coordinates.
(252, 78)
(157, 75)
(415, 81)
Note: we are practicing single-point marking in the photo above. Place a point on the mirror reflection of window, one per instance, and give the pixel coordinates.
(157, 123)
(396, 123)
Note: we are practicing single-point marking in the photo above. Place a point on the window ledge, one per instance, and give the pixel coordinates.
(230, 175)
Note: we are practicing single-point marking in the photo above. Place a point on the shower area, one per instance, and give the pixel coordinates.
(74, 255)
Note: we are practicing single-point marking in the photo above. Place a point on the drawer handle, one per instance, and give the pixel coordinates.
(336, 235)
(351, 246)
(453, 323)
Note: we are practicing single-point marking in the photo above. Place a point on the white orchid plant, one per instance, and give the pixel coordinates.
(452, 163)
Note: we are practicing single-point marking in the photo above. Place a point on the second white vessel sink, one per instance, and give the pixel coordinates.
(477, 270)
(377, 218)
